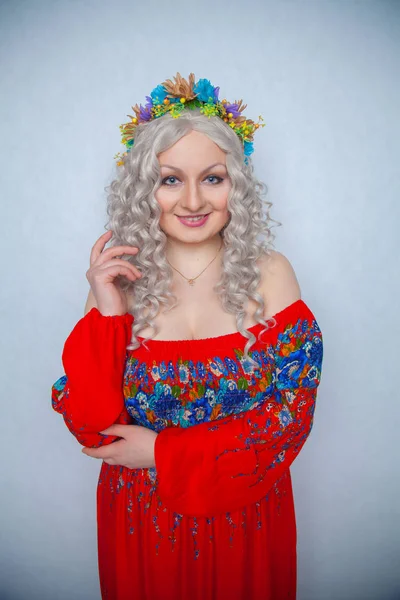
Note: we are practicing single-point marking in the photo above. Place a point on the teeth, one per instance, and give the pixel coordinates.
(193, 218)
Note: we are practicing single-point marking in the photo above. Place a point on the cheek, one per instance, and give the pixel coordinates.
(220, 199)
(164, 200)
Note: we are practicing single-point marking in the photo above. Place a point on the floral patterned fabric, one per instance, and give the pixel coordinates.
(214, 518)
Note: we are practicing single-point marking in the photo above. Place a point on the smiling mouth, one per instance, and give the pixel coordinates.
(192, 216)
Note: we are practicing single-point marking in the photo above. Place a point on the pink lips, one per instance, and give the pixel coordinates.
(190, 223)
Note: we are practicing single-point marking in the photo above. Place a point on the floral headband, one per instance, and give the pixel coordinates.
(176, 97)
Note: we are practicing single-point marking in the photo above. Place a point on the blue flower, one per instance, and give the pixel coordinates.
(205, 90)
(248, 148)
(231, 364)
(159, 389)
(60, 383)
(163, 370)
(201, 369)
(141, 371)
(316, 352)
(257, 357)
(159, 94)
(285, 417)
(200, 411)
(171, 370)
(290, 368)
(221, 365)
(137, 412)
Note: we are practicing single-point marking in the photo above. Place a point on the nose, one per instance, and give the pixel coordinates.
(192, 199)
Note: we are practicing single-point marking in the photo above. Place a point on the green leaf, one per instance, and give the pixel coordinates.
(242, 383)
(176, 391)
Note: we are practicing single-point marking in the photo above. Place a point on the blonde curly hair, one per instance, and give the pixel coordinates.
(134, 215)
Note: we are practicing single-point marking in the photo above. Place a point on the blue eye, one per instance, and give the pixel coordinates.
(166, 179)
(220, 179)
(216, 177)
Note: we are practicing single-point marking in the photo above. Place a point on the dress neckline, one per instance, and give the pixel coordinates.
(225, 336)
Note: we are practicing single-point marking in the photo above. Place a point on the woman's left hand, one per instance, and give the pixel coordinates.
(134, 451)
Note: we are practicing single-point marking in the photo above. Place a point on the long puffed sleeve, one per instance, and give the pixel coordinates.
(234, 461)
(90, 394)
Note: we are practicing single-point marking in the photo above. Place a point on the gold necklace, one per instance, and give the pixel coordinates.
(192, 280)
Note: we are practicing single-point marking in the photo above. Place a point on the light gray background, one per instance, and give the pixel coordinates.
(325, 77)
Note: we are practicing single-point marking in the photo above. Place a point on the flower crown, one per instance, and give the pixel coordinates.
(181, 95)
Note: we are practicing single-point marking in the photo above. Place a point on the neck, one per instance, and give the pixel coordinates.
(190, 258)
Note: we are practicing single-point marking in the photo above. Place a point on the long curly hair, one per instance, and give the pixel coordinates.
(134, 215)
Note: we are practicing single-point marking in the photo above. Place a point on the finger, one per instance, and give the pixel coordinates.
(99, 245)
(117, 429)
(102, 452)
(119, 251)
(122, 263)
(90, 452)
(115, 270)
(114, 251)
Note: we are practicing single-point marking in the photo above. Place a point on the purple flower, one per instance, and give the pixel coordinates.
(145, 111)
(233, 108)
(149, 103)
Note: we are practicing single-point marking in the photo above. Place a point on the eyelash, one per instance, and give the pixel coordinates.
(221, 179)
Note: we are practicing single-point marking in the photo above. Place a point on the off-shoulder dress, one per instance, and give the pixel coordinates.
(214, 519)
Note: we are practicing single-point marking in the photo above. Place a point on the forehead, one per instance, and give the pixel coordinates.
(193, 151)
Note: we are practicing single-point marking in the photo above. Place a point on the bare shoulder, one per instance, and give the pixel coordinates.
(279, 283)
(90, 302)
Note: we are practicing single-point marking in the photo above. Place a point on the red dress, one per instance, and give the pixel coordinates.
(214, 519)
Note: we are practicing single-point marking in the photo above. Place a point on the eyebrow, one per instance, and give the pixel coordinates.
(207, 169)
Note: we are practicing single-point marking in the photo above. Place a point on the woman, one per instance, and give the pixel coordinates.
(198, 424)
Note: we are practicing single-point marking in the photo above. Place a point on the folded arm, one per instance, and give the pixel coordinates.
(90, 393)
(222, 465)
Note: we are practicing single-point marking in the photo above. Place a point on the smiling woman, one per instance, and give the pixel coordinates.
(195, 498)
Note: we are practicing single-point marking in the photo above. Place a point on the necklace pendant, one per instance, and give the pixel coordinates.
(191, 281)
